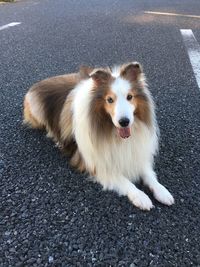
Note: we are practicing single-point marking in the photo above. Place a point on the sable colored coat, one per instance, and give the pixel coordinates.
(105, 120)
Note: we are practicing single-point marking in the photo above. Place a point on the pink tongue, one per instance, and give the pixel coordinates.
(124, 132)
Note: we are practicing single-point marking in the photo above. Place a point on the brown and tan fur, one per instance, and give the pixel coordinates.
(52, 99)
(101, 112)
(90, 114)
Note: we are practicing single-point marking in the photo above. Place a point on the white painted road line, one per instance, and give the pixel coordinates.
(172, 14)
(193, 49)
(12, 24)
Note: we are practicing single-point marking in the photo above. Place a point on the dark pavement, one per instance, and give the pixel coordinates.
(51, 215)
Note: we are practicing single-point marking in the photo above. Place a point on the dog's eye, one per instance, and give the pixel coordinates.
(110, 100)
(129, 97)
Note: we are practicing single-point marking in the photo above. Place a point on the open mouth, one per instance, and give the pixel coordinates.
(124, 132)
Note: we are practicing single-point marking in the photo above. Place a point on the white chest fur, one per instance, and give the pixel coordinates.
(128, 156)
(124, 156)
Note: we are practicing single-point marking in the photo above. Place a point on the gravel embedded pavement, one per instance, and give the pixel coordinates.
(50, 215)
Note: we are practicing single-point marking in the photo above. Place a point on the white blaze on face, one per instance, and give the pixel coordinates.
(123, 108)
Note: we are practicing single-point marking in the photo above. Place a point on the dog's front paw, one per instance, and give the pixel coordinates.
(141, 200)
(163, 195)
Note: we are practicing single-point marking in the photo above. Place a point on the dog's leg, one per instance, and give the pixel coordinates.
(159, 191)
(124, 187)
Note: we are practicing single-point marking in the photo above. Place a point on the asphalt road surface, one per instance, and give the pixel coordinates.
(51, 215)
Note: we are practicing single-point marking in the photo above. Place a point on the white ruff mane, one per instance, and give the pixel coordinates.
(120, 156)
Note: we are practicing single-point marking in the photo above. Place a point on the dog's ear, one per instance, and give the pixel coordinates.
(100, 76)
(85, 71)
(131, 71)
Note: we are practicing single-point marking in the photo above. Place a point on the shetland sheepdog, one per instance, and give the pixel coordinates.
(104, 118)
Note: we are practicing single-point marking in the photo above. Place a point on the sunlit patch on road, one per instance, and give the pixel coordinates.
(164, 18)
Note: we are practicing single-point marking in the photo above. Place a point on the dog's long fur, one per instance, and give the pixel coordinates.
(82, 112)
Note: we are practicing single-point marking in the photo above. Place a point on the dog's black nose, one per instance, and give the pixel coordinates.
(124, 122)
